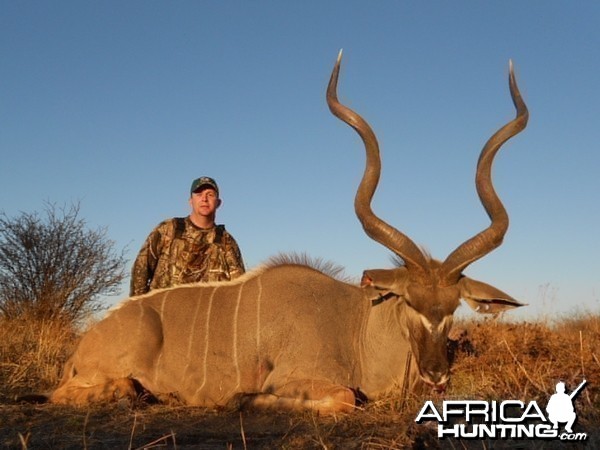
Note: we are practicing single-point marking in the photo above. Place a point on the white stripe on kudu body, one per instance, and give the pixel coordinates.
(258, 303)
(288, 336)
(234, 343)
(206, 340)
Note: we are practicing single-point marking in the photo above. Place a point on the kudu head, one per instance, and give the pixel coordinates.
(428, 291)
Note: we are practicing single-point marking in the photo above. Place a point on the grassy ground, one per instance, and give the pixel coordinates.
(493, 360)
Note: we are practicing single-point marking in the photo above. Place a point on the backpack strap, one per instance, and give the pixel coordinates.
(179, 227)
(219, 234)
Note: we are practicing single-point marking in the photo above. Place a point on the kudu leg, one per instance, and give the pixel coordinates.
(319, 396)
(72, 393)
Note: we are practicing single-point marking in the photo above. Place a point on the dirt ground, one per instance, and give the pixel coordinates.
(167, 427)
(119, 426)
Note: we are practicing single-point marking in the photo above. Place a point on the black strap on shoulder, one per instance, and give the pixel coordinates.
(219, 234)
(179, 227)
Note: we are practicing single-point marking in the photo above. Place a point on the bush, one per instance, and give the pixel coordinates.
(55, 268)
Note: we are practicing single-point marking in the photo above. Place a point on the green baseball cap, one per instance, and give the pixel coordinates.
(204, 181)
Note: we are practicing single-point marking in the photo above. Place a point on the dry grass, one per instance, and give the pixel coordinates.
(494, 360)
(32, 353)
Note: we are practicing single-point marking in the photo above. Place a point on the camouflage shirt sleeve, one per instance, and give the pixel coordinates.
(145, 264)
(233, 256)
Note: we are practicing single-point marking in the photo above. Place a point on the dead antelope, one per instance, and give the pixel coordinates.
(288, 336)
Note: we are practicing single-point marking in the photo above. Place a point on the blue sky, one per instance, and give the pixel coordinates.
(119, 105)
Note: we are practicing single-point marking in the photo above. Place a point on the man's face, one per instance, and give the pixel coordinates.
(204, 201)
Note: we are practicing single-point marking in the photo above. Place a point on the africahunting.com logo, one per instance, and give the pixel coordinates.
(508, 419)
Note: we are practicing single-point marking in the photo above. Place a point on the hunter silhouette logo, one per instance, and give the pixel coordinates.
(560, 406)
(508, 419)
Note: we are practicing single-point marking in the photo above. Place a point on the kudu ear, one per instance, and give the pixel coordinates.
(485, 299)
(385, 282)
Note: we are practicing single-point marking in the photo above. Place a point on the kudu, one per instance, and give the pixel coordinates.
(288, 336)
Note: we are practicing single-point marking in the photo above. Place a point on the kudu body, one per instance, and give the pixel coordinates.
(288, 336)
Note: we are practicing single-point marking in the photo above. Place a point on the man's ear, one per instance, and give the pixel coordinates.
(219, 202)
(485, 299)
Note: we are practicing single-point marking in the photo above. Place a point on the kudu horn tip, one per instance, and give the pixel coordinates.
(511, 71)
(332, 86)
(516, 94)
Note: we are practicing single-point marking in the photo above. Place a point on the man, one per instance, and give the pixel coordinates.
(190, 249)
(560, 407)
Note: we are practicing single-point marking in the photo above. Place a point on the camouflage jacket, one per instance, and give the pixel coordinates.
(178, 252)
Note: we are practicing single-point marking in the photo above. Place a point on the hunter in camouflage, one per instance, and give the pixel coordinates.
(190, 249)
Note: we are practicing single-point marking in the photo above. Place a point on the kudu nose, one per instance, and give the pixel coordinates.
(436, 378)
